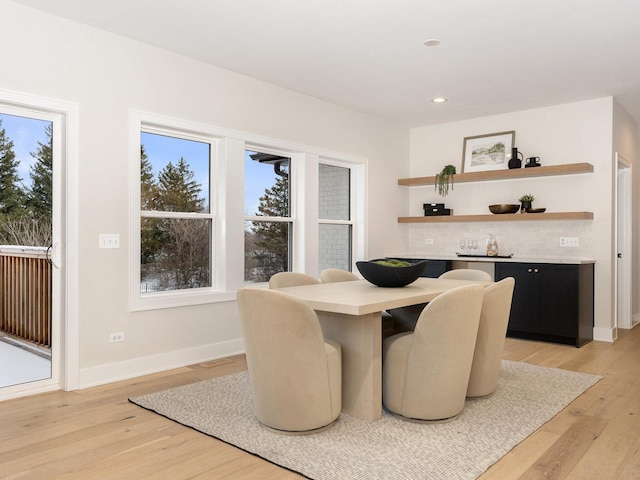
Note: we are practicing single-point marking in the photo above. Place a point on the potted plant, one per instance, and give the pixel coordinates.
(444, 179)
(526, 202)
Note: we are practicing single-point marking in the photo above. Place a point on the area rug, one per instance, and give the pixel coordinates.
(389, 449)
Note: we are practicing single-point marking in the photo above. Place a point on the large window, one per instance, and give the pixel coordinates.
(268, 223)
(216, 209)
(175, 210)
(334, 213)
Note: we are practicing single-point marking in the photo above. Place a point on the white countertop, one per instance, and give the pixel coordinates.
(514, 258)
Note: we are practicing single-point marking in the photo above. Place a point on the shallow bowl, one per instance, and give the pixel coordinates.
(504, 208)
(386, 276)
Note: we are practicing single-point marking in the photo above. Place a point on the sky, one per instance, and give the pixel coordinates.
(25, 133)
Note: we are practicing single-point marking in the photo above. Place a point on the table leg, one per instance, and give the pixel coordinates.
(360, 337)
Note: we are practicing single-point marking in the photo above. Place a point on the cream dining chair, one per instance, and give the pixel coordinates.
(295, 374)
(291, 279)
(425, 374)
(405, 318)
(332, 275)
(492, 331)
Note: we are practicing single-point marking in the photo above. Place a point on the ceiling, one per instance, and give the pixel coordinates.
(494, 56)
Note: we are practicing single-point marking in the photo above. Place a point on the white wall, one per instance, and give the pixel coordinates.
(107, 76)
(570, 133)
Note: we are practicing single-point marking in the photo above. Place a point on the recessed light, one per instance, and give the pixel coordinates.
(439, 100)
(432, 42)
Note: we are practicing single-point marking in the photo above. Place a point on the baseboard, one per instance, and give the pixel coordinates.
(605, 334)
(136, 367)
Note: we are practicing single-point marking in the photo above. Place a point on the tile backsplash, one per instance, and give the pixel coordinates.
(530, 239)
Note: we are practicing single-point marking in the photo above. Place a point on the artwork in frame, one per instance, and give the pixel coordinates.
(487, 152)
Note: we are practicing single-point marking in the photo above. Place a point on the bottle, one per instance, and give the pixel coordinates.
(492, 246)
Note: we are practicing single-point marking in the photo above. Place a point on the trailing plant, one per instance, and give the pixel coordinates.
(444, 180)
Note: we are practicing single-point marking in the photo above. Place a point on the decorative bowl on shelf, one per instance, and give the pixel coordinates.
(535, 210)
(504, 208)
(391, 272)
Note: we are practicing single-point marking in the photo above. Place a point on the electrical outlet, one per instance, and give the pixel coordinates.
(116, 337)
(109, 240)
(569, 241)
(428, 241)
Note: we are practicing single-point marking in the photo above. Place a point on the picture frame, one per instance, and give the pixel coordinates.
(492, 151)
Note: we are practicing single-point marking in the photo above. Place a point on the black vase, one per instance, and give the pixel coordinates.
(525, 206)
(515, 163)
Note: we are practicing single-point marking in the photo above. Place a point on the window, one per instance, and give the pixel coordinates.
(176, 220)
(268, 223)
(334, 212)
(214, 209)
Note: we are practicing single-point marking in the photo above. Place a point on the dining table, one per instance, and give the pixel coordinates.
(350, 314)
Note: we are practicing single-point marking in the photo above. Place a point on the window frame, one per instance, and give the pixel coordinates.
(226, 185)
(353, 177)
(288, 220)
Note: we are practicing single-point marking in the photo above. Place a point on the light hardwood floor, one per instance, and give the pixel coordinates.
(97, 434)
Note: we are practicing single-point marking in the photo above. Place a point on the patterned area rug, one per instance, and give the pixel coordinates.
(389, 449)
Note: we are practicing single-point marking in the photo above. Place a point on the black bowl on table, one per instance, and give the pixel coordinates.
(399, 275)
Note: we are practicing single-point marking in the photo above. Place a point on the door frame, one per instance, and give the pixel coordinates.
(65, 317)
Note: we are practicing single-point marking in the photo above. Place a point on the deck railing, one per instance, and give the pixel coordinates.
(25, 294)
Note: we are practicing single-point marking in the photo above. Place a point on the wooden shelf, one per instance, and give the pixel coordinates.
(568, 169)
(508, 217)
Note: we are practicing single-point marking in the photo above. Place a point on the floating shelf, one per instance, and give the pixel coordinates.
(568, 169)
(507, 217)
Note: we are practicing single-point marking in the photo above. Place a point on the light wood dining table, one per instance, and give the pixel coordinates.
(350, 313)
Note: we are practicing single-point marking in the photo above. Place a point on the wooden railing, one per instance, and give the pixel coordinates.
(25, 294)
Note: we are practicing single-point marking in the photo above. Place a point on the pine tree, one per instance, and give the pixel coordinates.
(39, 200)
(150, 232)
(183, 252)
(272, 238)
(177, 190)
(148, 186)
(12, 197)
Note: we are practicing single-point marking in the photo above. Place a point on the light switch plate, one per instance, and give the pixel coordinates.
(109, 240)
(569, 241)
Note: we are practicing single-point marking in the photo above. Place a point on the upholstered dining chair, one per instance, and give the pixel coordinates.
(295, 374)
(425, 374)
(405, 318)
(331, 275)
(492, 331)
(291, 279)
(467, 274)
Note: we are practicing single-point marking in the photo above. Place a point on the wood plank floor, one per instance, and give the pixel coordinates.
(97, 434)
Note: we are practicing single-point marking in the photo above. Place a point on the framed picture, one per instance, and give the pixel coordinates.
(487, 152)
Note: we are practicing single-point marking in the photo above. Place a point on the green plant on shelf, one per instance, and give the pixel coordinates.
(444, 180)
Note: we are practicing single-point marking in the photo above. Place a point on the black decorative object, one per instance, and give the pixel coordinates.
(515, 162)
(532, 162)
(384, 275)
(435, 209)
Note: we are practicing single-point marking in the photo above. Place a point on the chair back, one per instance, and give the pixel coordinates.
(287, 360)
(467, 274)
(438, 362)
(492, 331)
(291, 279)
(332, 275)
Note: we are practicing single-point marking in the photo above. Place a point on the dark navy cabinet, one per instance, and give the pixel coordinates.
(551, 302)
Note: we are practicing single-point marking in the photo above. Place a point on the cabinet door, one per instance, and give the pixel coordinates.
(524, 294)
(558, 300)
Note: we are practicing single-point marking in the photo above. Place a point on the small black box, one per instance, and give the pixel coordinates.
(436, 212)
(435, 209)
